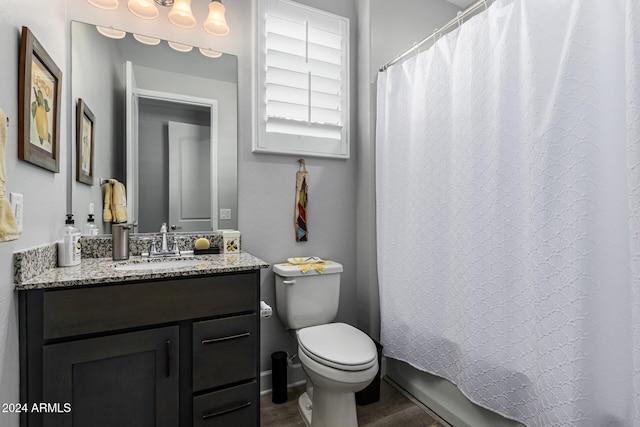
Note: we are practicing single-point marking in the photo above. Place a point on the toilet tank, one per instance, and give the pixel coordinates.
(307, 299)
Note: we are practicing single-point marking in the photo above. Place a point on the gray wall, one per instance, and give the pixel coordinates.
(44, 192)
(104, 100)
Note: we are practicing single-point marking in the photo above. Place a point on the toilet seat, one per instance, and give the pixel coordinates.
(339, 346)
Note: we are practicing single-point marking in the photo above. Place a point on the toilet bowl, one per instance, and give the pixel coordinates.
(337, 358)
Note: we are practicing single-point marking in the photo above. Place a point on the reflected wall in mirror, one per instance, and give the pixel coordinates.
(168, 130)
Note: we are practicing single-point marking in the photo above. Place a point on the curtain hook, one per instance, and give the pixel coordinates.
(485, 4)
(301, 166)
(436, 32)
(459, 17)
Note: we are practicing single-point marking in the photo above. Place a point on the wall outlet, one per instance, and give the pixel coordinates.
(17, 206)
(225, 213)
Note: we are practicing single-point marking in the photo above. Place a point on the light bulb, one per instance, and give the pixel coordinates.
(216, 23)
(181, 15)
(104, 4)
(145, 9)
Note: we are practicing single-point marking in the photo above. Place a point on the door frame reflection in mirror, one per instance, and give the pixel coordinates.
(132, 163)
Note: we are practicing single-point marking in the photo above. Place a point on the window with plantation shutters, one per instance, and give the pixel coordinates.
(302, 80)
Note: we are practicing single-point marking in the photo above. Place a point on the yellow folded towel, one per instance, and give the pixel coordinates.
(8, 226)
(118, 201)
(304, 268)
(107, 215)
(115, 202)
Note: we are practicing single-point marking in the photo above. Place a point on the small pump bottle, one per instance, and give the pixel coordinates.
(90, 228)
(69, 244)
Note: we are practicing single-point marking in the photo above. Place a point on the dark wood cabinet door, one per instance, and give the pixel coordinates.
(128, 379)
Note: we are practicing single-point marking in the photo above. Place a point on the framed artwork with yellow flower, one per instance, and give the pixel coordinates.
(85, 135)
(40, 85)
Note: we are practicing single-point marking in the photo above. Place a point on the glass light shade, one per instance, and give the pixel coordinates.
(151, 41)
(104, 4)
(210, 53)
(180, 47)
(145, 9)
(111, 32)
(216, 23)
(180, 14)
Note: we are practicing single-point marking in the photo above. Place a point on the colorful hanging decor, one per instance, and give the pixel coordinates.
(300, 216)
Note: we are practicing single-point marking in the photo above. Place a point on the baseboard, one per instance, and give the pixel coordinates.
(295, 377)
(443, 397)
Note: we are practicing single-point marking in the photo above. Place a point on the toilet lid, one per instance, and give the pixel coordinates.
(338, 345)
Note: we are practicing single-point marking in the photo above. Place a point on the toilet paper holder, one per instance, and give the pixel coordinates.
(265, 310)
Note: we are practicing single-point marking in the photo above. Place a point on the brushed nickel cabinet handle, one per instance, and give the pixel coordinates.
(226, 411)
(227, 338)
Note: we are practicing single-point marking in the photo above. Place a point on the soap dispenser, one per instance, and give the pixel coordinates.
(69, 244)
(90, 228)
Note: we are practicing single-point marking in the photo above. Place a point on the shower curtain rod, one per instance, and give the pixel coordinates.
(459, 20)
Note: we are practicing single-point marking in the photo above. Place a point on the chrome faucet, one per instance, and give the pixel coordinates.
(163, 230)
(164, 248)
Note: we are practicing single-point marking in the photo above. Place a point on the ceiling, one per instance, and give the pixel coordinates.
(462, 3)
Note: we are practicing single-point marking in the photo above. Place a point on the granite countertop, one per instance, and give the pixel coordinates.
(93, 271)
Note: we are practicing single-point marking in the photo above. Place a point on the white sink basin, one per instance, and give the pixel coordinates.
(160, 265)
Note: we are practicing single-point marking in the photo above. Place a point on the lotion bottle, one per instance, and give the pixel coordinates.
(69, 244)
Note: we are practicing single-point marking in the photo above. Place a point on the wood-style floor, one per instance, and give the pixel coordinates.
(394, 409)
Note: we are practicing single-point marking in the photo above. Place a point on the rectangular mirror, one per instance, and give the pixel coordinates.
(165, 126)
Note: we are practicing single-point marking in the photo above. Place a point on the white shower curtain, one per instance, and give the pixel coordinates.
(508, 210)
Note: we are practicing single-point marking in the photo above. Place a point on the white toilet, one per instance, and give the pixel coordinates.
(338, 359)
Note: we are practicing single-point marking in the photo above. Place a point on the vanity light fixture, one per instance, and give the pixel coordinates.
(151, 41)
(180, 14)
(111, 32)
(216, 23)
(104, 4)
(180, 47)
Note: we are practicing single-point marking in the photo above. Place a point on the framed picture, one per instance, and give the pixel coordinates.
(85, 136)
(40, 84)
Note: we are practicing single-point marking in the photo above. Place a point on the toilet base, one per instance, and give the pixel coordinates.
(304, 408)
(328, 409)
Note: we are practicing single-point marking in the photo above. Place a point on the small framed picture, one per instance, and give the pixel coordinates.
(85, 136)
(40, 85)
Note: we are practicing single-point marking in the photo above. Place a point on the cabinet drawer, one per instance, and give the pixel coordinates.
(77, 311)
(224, 351)
(233, 407)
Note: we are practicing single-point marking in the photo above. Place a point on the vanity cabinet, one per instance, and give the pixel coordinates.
(164, 352)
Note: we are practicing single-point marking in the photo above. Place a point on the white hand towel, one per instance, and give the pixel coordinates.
(8, 226)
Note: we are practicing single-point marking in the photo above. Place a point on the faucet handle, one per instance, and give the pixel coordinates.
(163, 229)
(153, 249)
